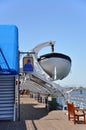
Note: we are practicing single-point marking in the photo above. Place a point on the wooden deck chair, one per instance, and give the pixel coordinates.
(75, 113)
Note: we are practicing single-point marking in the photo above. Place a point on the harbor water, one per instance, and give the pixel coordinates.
(77, 97)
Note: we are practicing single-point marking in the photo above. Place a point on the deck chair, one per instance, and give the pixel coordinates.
(75, 113)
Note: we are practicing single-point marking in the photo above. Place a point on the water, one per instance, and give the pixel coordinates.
(77, 97)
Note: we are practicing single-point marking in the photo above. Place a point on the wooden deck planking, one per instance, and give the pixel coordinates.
(34, 116)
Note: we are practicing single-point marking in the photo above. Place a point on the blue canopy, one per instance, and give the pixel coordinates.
(9, 49)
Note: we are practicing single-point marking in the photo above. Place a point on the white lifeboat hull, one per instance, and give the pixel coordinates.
(56, 65)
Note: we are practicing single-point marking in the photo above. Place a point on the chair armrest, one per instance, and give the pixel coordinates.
(83, 110)
(77, 108)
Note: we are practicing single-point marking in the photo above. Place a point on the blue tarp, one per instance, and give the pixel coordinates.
(9, 49)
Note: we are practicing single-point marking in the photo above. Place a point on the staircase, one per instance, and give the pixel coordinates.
(7, 97)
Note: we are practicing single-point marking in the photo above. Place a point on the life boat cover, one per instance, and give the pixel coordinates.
(8, 49)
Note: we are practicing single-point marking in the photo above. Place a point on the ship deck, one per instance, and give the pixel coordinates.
(34, 116)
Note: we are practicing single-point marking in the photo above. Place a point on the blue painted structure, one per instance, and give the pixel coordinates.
(9, 58)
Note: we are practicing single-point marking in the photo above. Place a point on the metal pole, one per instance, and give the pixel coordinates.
(19, 81)
(20, 52)
(19, 89)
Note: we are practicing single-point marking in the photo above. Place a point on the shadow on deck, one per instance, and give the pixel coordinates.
(32, 112)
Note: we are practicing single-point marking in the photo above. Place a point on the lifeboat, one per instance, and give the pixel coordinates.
(56, 65)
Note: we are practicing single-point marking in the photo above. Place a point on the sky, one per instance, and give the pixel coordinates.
(63, 21)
